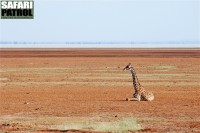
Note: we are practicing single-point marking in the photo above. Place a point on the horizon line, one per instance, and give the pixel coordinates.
(99, 47)
(101, 42)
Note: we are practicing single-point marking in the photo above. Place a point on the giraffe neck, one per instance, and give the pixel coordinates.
(136, 84)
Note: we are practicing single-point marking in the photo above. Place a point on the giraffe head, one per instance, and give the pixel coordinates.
(128, 67)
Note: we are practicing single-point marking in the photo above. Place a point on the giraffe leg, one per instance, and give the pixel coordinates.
(136, 98)
(131, 99)
(139, 97)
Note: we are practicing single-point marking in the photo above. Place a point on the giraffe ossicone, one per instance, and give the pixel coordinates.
(140, 93)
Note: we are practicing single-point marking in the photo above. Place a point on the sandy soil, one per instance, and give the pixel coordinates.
(42, 89)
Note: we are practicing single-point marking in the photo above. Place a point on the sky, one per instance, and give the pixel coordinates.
(107, 21)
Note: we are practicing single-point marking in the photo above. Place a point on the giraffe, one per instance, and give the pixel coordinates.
(140, 93)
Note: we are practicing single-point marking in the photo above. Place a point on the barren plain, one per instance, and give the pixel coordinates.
(84, 90)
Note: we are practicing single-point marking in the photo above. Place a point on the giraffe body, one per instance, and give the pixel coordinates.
(140, 93)
(143, 95)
